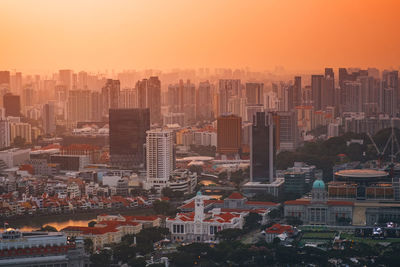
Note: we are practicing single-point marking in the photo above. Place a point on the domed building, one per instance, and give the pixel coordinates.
(318, 210)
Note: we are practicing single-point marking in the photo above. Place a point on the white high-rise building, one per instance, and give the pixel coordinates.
(159, 158)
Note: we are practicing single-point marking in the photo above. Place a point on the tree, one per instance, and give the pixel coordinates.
(168, 192)
(48, 228)
(229, 234)
(252, 221)
(92, 223)
(294, 221)
(88, 245)
(164, 208)
(101, 259)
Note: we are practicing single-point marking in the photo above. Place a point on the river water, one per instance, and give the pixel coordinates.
(57, 225)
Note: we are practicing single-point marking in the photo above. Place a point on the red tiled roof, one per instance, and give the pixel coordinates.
(141, 218)
(279, 229)
(235, 195)
(262, 203)
(207, 202)
(340, 203)
(298, 202)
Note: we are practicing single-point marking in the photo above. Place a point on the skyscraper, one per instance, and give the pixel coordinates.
(4, 133)
(12, 105)
(204, 101)
(110, 95)
(297, 95)
(159, 157)
(65, 78)
(390, 80)
(329, 88)
(149, 96)
(229, 140)
(5, 77)
(227, 89)
(49, 118)
(254, 93)
(127, 136)
(78, 106)
(286, 131)
(263, 149)
(317, 82)
(96, 106)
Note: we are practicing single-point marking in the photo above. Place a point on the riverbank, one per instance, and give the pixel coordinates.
(62, 220)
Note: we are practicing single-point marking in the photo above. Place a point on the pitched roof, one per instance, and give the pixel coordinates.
(279, 229)
(235, 195)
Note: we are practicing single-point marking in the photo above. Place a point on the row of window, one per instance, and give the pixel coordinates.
(178, 229)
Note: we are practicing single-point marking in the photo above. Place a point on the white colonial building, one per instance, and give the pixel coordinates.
(199, 226)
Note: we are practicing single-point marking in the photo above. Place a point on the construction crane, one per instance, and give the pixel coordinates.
(391, 140)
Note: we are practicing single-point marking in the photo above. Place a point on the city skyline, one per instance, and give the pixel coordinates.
(39, 36)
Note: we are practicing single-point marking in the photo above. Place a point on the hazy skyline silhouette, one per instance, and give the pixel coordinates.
(298, 35)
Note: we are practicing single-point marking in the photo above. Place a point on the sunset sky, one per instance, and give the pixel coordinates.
(260, 34)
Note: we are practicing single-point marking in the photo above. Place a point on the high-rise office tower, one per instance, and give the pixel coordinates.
(149, 96)
(174, 96)
(227, 89)
(49, 118)
(317, 83)
(254, 93)
(28, 97)
(12, 105)
(390, 80)
(96, 106)
(182, 99)
(128, 98)
(110, 95)
(204, 101)
(297, 95)
(328, 94)
(263, 149)
(4, 77)
(65, 78)
(229, 140)
(4, 133)
(16, 83)
(159, 157)
(128, 136)
(82, 80)
(189, 101)
(78, 106)
(286, 130)
(352, 96)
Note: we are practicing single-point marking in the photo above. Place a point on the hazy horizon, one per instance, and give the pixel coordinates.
(300, 36)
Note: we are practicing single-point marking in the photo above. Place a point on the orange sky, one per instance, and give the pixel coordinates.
(137, 34)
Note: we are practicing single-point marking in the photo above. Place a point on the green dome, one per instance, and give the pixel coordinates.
(318, 184)
(198, 193)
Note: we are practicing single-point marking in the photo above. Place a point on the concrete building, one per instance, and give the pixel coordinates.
(4, 134)
(14, 157)
(21, 129)
(49, 118)
(128, 136)
(41, 249)
(319, 210)
(199, 226)
(229, 129)
(159, 158)
(70, 162)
